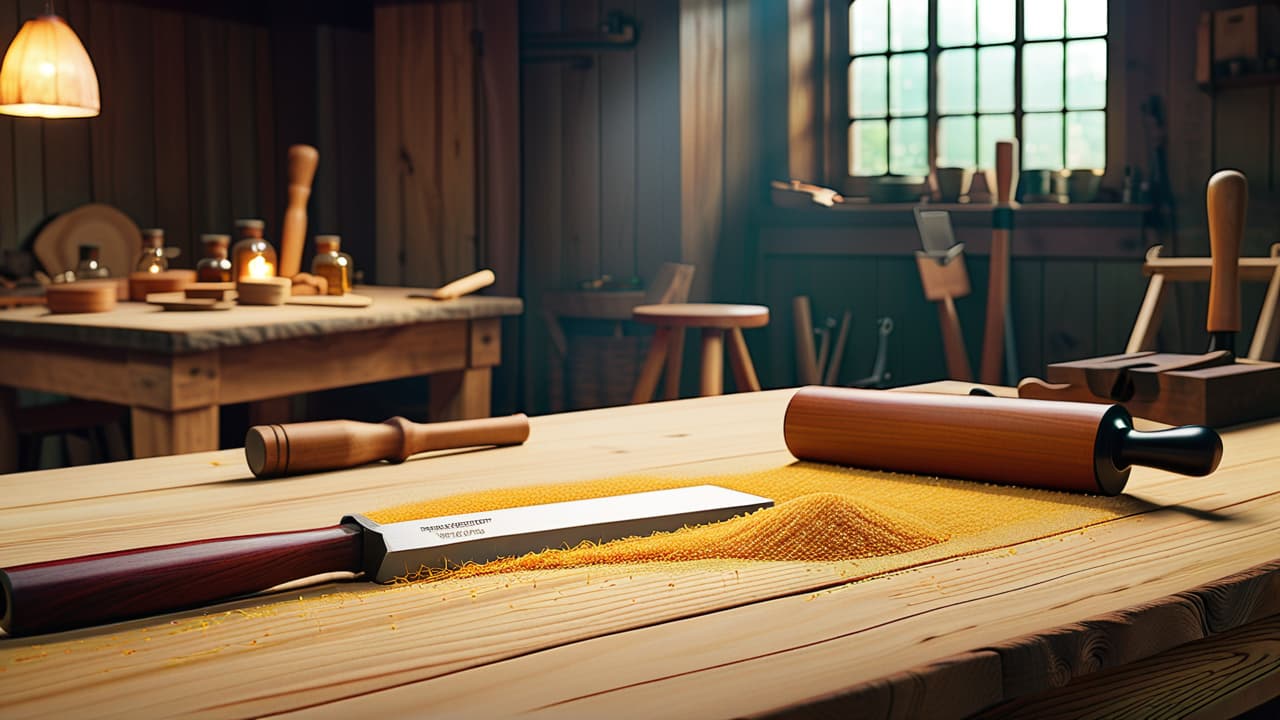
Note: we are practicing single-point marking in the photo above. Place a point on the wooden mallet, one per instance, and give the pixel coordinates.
(303, 160)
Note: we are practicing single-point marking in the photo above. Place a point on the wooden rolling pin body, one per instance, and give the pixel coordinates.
(291, 449)
(1076, 447)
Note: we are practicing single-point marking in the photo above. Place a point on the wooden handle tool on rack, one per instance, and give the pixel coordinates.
(295, 448)
(303, 160)
(1071, 446)
(993, 340)
(1228, 198)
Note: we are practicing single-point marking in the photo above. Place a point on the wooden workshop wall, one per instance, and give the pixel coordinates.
(1207, 131)
(197, 113)
(635, 156)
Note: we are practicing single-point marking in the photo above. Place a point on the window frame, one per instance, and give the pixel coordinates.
(838, 120)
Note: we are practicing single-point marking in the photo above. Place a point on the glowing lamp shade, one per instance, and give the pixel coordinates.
(47, 73)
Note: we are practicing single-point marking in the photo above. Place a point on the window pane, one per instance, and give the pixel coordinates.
(868, 148)
(956, 22)
(956, 141)
(1087, 140)
(1087, 74)
(1042, 141)
(868, 26)
(956, 82)
(868, 87)
(1042, 20)
(1042, 77)
(1086, 18)
(908, 85)
(990, 129)
(909, 146)
(995, 79)
(908, 24)
(996, 20)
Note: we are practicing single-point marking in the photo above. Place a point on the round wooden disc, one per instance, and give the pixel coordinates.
(708, 315)
(85, 296)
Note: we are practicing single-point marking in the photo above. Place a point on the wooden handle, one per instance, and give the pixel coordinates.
(1071, 446)
(291, 449)
(1228, 197)
(465, 285)
(303, 160)
(83, 591)
(1006, 170)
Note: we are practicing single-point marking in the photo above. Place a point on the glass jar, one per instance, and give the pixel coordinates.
(251, 246)
(152, 259)
(214, 266)
(332, 265)
(89, 267)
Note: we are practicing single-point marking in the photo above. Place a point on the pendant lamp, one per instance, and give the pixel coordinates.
(47, 72)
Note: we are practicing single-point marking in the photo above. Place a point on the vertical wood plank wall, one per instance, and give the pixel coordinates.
(197, 113)
(425, 65)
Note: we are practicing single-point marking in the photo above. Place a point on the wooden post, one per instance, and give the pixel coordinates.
(164, 432)
(998, 280)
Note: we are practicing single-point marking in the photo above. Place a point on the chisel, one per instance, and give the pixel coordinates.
(1228, 198)
(95, 589)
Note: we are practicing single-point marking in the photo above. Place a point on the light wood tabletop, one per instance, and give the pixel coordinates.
(174, 369)
(1175, 607)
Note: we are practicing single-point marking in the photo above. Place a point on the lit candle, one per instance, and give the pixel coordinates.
(258, 267)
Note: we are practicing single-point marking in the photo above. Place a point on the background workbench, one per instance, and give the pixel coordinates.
(1175, 606)
(175, 368)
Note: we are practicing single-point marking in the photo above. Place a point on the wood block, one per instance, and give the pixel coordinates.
(1172, 388)
(85, 296)
(143, 284)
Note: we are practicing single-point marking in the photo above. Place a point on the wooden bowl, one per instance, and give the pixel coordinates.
(263, 291)
(85, 296)
(142, 284)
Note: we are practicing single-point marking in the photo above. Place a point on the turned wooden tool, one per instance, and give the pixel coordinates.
(993, 340)
(302, 170)
(464, 285)
(294, 448)
(1071, 446)
(1228, 198)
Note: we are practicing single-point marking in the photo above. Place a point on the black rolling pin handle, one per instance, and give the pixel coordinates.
(1189, 450)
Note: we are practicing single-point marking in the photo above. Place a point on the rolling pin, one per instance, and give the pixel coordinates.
(1070, 446)
(1228, 198)
(302, 170)
(464, 285)
(295, 448)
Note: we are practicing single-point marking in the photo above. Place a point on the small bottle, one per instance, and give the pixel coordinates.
(152, 259)
(214, 266)
(90, 267)
(252, 256)
(332, 265)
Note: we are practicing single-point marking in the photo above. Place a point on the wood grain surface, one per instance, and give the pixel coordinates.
(944, 639)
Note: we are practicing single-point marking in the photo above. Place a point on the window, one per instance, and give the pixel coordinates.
(945, 79)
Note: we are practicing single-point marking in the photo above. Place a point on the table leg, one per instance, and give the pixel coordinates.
(274, 411)
(712, 361)
(648, 380)
(744, 371)
(675, 357)
(163, 432)
(460, 394)
(8, 430)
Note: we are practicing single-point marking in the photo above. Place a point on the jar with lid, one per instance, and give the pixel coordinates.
(252, 256)
(90, 267)
(332, 264)
(214, 266)
(152, 259)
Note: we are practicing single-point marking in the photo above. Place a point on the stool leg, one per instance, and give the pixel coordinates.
(744, 372)
(712, 361)
(648, 381)
(675, 358)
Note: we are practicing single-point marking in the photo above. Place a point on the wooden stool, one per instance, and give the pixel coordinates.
(668, 345)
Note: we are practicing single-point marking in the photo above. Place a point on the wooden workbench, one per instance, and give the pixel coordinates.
(1177, 606)
(175, 368)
